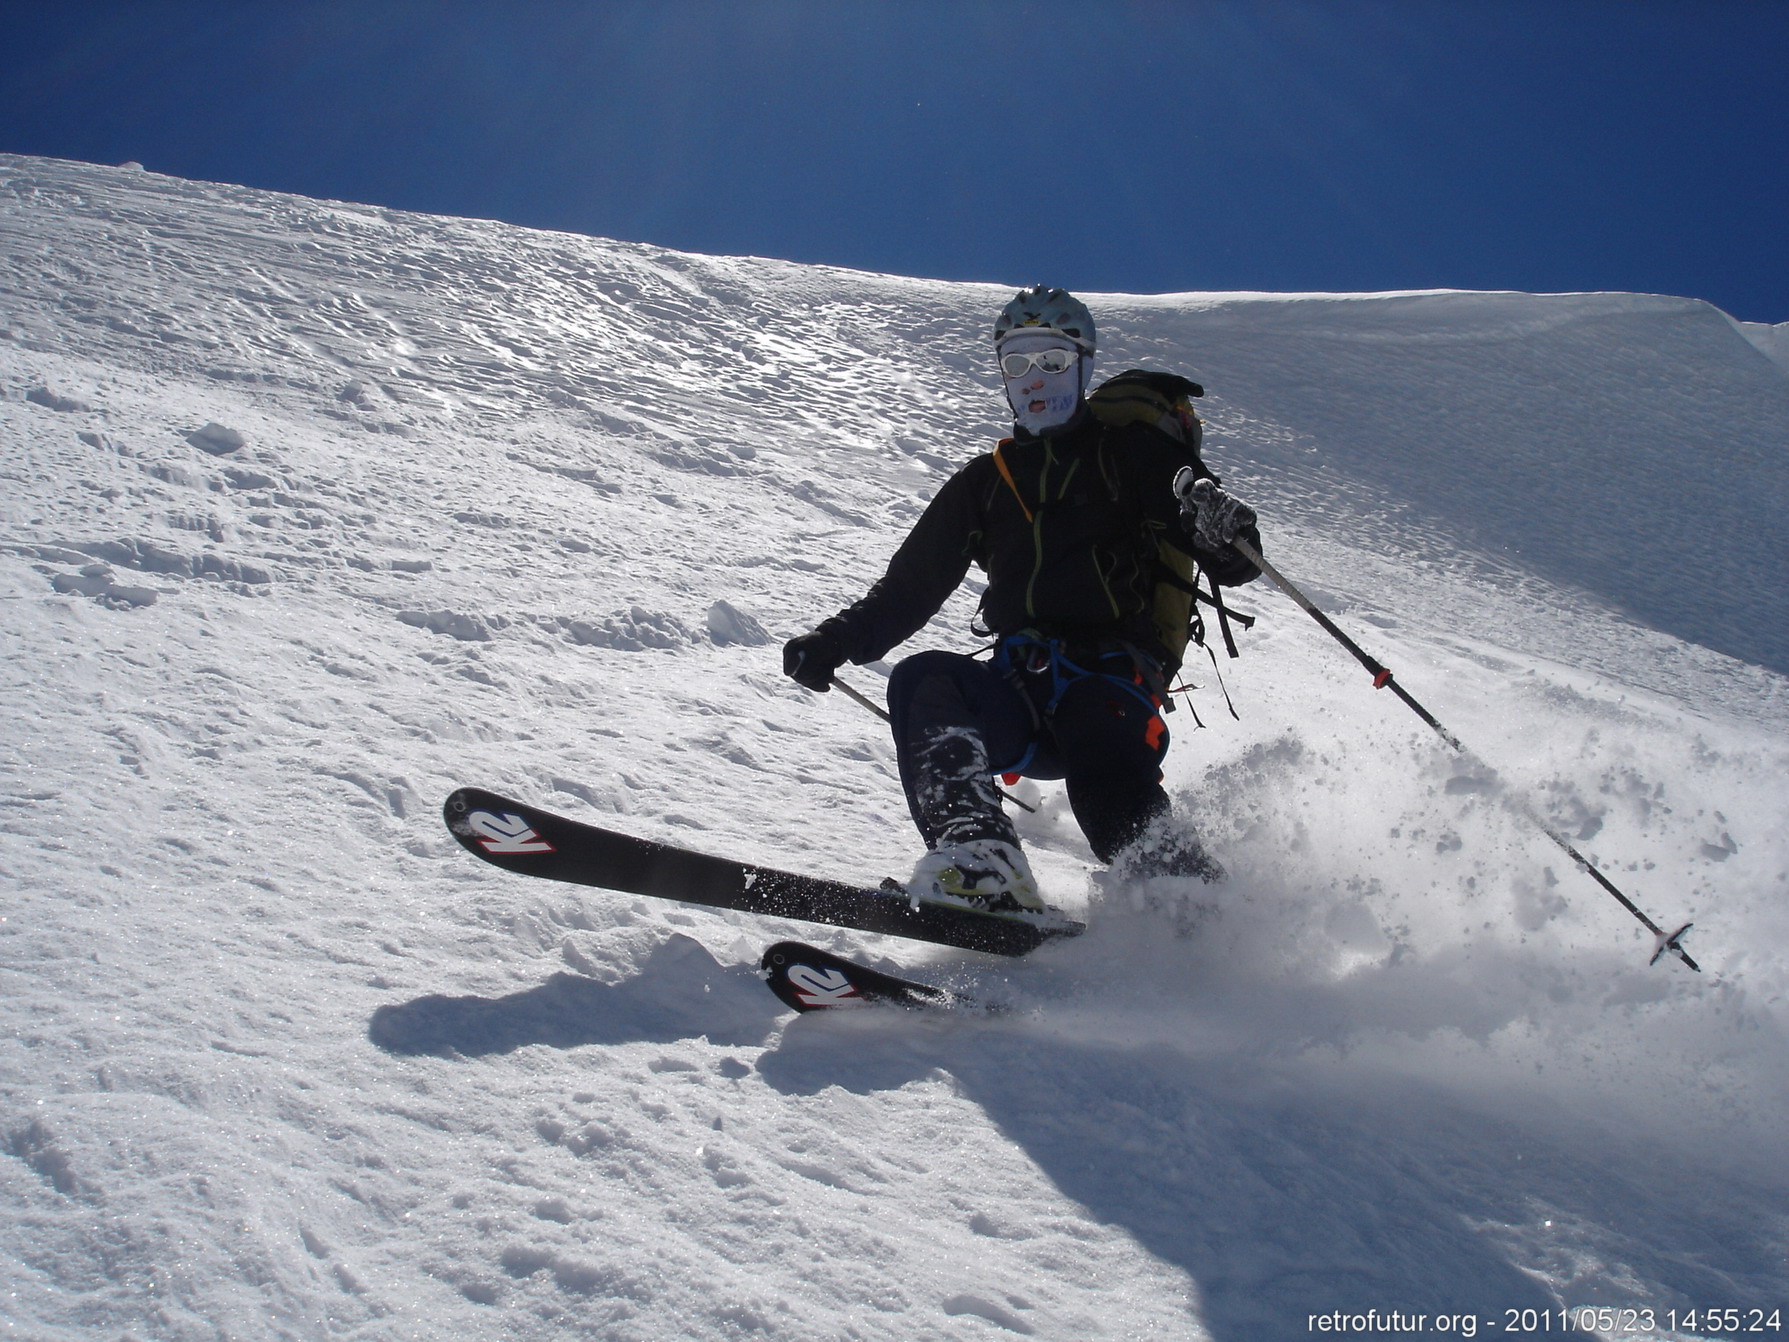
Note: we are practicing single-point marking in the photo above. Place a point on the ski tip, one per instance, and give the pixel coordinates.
(807, 978)
(464, 799)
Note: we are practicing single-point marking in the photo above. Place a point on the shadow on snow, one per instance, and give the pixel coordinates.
(681, 992)
(1279, 1200)
(1282, 1200)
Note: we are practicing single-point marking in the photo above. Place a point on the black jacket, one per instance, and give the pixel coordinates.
(1069, 546)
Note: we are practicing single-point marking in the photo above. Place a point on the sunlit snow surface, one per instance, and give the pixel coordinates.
(533, 511)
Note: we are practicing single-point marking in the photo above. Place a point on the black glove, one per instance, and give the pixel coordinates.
(811, 659)
(1213, 517)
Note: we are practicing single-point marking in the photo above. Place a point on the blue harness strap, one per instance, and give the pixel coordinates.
(1022, 656)
(1027, 654)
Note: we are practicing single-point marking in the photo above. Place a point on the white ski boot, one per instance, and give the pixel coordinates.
(986, 874)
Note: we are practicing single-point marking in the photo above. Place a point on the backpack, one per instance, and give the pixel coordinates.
(1163, 401)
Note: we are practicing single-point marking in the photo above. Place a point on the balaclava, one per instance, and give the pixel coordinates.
(1041, 401)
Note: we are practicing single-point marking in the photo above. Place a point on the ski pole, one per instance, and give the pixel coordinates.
(1382, 679)
(863, 699)
(882, 713)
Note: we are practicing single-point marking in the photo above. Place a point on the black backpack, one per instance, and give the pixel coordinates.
(1164, 401)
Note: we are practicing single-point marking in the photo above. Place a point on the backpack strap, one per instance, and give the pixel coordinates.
(1006, 474)
(1214, 599)
(1225, 614)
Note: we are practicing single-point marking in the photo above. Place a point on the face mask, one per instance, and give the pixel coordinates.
(1040, 400)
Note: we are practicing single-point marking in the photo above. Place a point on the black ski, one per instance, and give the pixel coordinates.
(522, 838)
(810, 979)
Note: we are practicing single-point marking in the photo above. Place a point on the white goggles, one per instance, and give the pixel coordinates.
(1045, 360)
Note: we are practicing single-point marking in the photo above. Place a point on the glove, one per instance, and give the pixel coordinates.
(811, 659)
(1213, 517)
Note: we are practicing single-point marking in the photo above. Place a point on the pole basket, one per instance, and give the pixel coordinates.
(1670, 944)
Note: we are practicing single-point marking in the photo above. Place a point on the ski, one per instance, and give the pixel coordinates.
(525, 839)
(810, 979)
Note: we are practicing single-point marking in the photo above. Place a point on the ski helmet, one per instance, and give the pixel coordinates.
(1038, 310)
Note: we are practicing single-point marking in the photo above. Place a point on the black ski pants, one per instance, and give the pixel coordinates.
(959, 722)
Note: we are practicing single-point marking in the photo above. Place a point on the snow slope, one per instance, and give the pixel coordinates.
(314, 511)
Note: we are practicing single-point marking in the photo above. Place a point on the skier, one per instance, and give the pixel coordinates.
(1068, 518)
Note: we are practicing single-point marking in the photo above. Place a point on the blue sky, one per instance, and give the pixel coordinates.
(1135, 145)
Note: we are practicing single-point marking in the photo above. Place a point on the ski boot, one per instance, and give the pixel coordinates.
(986, 874)
(1168, 853)
(1166, 875)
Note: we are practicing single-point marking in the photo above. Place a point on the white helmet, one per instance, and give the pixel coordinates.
(1039, 311)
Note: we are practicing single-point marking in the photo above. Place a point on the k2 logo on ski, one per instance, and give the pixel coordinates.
(506, 833)
(824, 987)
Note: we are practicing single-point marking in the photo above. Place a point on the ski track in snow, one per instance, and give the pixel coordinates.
(314, 511)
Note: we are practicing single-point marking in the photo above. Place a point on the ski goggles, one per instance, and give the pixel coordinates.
(1044, 360)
